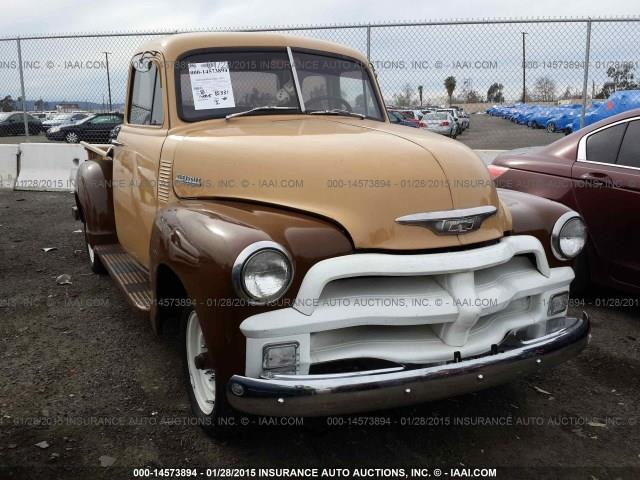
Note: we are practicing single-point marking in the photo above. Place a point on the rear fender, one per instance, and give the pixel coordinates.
(94, 199)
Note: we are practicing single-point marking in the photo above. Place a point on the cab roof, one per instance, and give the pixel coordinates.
(173, 46)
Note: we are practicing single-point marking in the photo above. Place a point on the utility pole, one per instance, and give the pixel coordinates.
(420, 93)
(106, 55)
(586, 74)
(524, 68)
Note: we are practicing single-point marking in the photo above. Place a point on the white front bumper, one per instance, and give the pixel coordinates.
(417, 309)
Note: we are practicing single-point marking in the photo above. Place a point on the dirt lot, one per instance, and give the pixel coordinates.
(495, 133)
(74, 360)
(485, 133)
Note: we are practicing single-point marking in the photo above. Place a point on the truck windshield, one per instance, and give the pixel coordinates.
(218, 83)
(335, 83)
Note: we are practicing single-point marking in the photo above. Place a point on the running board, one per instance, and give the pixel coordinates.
(130, 276)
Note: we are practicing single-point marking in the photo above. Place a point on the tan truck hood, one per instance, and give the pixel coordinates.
(362, 174)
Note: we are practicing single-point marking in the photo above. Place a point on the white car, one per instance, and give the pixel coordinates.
(64, 119)
(442, 123)
(456, 117)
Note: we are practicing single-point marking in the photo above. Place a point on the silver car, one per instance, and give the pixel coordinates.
(441, 122)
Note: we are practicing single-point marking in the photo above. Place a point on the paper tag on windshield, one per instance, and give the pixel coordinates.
(211, 85)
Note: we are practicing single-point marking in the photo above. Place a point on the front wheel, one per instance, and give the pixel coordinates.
(72, 137)
(207, 401)
(551, 127)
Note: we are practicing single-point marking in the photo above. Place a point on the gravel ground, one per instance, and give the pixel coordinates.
(485, 133)
(493, 133)
(75, 359)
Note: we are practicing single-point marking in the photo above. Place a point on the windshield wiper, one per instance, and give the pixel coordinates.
(337, 111)
(265, 108)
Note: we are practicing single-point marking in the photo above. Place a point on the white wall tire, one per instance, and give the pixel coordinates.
(203, 385)
(94, 261)
(207, 398)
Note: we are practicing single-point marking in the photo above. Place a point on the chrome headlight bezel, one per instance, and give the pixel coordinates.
(564, 220)
(245, 256)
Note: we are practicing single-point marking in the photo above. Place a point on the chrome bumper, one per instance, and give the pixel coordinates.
(336, 394)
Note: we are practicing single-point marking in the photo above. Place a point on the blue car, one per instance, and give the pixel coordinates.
(562, 117)
(540, 118)
(617, 102)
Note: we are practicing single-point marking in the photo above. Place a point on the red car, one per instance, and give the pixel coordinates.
(411, 116)
(595, 171)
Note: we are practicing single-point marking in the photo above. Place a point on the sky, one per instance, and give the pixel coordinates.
(63, 16)
(73, 69)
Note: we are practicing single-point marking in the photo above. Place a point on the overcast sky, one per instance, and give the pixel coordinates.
(24, 17)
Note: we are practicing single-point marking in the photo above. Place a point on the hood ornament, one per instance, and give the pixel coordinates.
(450, 222)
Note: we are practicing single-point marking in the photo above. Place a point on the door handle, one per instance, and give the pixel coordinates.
(597, 179)
(117, 143)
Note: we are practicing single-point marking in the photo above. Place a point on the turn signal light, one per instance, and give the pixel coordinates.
(496, 171)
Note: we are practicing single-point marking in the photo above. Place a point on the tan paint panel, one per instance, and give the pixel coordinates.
(336, 163)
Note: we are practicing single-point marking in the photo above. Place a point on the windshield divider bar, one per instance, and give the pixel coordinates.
(295, 80)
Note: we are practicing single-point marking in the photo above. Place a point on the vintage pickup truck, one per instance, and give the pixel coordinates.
(318, 259)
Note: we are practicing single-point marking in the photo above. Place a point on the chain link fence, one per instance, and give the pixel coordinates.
(472, 64)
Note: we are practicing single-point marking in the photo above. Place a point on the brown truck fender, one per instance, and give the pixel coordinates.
(532, 215)
(194, 245)
(94, 199)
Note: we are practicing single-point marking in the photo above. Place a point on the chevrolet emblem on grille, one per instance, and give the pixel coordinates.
(450, 222)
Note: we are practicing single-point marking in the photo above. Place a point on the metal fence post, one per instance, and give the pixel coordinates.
(585, 81)
(24, 100)
(369, 43)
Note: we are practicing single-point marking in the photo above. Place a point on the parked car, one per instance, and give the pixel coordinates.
(292, 239)
(12, 123)
(463, 117)
(460, 123)
(64, 119)
(465, 120)
(411, 116)
(396, 117)
(93, 129)
(442, 123)
(596, 172)
(617, 102)
(113, 135)
(411, 113)
(561, 119)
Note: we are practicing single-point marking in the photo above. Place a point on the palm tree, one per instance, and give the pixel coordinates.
(450, 85)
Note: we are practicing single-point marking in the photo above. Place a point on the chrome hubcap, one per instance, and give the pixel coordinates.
(202, 381)
(72, 138)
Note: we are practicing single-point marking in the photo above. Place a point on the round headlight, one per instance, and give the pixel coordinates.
(262, 272)
(569, 236)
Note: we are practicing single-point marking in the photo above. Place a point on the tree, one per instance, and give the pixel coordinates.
(568, 94)
(405, 98)
(469, 94)
(450, 85)
(622, 78)
(7, 104)
(545, 89)
(494, 94)
(41, 105)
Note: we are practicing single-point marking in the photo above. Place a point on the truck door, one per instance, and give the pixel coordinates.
(137, 156)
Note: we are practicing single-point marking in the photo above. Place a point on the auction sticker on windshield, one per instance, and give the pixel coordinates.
(211, 85)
